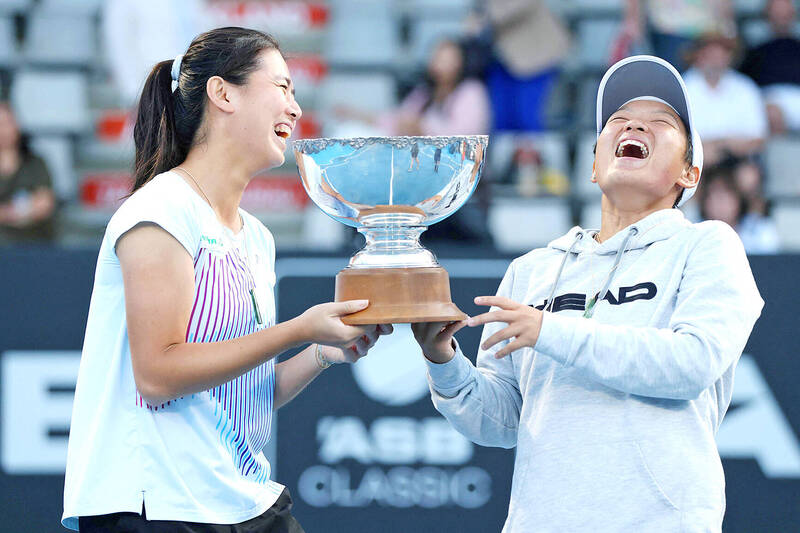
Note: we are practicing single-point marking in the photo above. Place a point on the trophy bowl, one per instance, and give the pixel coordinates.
(391, 189)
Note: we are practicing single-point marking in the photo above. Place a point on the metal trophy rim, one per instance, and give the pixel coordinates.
(318, 144)
(313, 146)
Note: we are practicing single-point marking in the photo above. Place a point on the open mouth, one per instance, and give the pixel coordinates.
(283, 131)
(632, 148)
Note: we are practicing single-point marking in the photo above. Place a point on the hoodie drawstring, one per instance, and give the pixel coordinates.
(550, 300)
(602, 294)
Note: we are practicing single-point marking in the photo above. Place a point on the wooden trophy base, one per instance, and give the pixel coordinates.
(398, 295)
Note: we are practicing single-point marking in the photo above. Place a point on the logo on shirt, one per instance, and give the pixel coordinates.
(210, 240)
(574, 301)
(212, 244)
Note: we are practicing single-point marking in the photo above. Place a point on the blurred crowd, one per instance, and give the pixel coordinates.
(510, 68)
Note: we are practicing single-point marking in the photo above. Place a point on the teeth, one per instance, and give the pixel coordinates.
(632, 142)
(282, 130)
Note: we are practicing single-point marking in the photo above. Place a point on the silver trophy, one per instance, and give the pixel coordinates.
(391, 189)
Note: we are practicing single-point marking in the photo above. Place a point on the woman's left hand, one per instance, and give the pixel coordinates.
(359, 349)
(524, 324)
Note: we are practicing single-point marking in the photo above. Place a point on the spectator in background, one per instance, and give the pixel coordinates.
(747, 175)
(530, 43)
(139, 33)
(27, 202)
(445, 102)
(727, 106)
(775, 67)
(672, 25)
(722, 199)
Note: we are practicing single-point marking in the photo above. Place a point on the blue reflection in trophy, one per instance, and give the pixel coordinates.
(391, 188)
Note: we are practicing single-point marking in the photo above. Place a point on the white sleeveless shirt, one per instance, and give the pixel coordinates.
(197, 458)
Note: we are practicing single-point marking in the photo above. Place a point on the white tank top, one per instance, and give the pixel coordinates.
(197, 458)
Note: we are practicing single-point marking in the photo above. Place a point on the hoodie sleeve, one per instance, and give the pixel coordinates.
(716, 307)
(482, 403)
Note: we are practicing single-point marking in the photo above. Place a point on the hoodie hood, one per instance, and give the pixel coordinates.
(655, 227)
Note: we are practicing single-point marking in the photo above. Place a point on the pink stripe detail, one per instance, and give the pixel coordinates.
(243, 304)
(223, 289)
(212, 304)
(191, 333)
(229, 297)
(237, 300)
(205, 303)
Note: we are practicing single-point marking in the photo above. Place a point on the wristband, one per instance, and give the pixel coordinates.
(322, 363)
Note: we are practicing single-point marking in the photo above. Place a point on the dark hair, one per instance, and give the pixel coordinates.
(428, 80)
(722, 173)
(167, 122)
(24, 141)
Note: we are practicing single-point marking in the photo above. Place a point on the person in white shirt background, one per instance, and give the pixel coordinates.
(135, 37)
(729, 111)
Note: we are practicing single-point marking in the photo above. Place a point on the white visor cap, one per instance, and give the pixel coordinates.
(648, 78)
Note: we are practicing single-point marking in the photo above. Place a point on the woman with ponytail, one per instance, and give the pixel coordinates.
(178, 378)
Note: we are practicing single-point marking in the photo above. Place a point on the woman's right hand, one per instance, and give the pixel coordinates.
(323, 324)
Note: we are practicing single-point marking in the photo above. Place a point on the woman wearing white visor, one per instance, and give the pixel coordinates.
(608, 357)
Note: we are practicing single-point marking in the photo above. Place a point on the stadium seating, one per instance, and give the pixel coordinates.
(757, 31)
(57, 152)
(749, 7)
(56, 69)
(786, 214)
(781, 156)
(15, 6)
(438, 8)
(60, 38)
(86, 7)
(588, 8)
(373, 92)
(594, 40)
(51, 102)
(8, 42)
(522, 224)
(375, 44)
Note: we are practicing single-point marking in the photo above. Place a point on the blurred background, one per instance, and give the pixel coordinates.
(524, 71)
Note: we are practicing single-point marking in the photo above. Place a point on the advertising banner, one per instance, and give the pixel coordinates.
(362, 449)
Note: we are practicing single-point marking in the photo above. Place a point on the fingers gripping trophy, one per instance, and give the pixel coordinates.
(391, 189)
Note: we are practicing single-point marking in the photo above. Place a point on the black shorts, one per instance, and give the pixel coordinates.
(277, 519)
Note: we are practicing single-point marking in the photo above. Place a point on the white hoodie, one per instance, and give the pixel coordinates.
(614, 416)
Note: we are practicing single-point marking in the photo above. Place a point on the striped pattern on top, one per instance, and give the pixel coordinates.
(222, 310)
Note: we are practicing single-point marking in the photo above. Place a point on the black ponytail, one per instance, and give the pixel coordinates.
(167, 122)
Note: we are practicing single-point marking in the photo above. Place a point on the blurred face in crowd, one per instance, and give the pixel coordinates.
(781, 15)
(9, 130)
(265, 110)
(721, 201)
(748, 179)
(640, 157)
(446, 63)
(713, 59)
